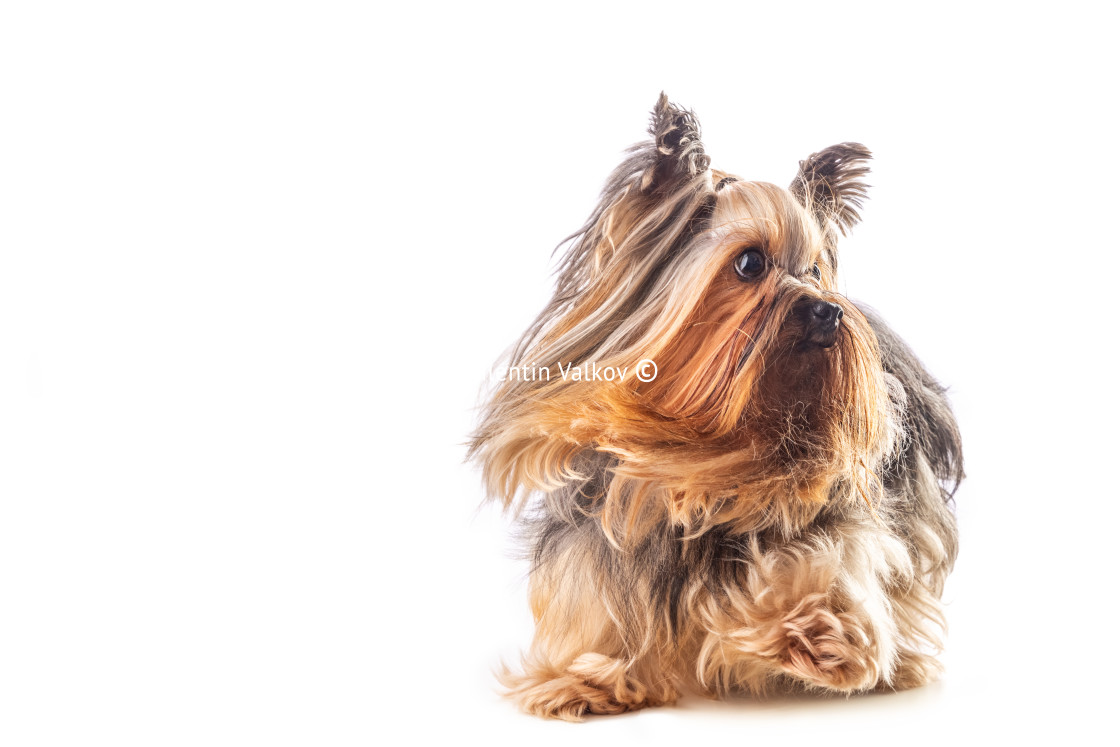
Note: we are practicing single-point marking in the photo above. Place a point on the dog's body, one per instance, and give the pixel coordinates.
(772, 509)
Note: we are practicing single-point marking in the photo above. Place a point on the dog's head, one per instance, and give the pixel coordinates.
(769, 399)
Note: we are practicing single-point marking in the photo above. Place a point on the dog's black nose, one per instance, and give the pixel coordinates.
(822, 323)
(827, 314)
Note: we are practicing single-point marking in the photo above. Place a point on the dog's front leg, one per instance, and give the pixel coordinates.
(595, 650)
(817, 610)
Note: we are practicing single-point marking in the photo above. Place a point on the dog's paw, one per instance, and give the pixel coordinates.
(828, 649)
(912, 670)
(593, 683)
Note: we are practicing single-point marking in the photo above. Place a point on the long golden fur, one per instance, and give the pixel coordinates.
(772, 509)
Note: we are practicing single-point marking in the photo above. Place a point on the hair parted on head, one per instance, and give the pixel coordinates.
(829, 183)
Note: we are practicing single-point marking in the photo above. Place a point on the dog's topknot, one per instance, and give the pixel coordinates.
(676, 135)
(829, 184)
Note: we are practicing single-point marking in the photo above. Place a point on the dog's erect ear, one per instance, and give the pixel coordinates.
(830, 184)
(680, 153)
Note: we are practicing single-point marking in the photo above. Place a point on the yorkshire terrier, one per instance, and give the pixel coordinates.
(772, 509)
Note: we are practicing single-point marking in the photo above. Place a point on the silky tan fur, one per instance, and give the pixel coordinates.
(765, 514)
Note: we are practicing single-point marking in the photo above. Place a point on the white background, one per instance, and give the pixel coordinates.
(256, 260)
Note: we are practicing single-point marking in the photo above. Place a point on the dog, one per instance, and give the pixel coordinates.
(771, 511)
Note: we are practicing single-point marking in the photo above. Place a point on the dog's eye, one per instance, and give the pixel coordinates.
(816, 271)
(750, 264)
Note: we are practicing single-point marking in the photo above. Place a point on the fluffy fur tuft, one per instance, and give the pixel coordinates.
(770, 511)
(830, 184)
(676, 135)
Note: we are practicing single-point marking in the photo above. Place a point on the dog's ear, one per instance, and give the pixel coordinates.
(679, 150)
(830, 184)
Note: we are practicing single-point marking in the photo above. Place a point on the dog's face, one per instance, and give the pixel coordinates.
(763, 323)
(769, 383)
